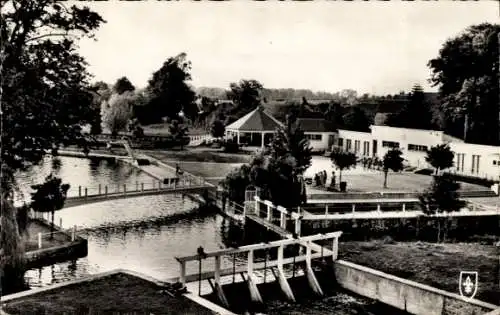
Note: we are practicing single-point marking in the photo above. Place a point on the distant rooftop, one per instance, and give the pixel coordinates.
(315, 125)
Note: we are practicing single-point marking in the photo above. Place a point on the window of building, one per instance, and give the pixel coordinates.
(357, 145)
(475, 164)
(390, 144)
(340, 142)
(416, 147)
(366, 148)
(315, 137)
(348, 144)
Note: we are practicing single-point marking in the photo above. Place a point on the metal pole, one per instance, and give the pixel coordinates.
(293, 265)
(199, 276)
(234, 266)
(265, 266)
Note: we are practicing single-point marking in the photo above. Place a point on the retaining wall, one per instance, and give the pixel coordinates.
(48, 256)
(406, 295)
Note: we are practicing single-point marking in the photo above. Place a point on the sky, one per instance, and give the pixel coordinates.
(372, 47)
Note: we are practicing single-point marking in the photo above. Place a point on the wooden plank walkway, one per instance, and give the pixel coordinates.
(362, 201)
(273, 227)
(395, 215)
(77, 201)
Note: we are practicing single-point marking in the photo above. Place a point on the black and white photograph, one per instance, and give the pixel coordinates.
(250, 157)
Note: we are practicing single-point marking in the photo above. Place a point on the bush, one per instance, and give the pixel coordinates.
(231, 147)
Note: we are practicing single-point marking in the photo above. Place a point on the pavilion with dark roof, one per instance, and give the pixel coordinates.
(254, 129)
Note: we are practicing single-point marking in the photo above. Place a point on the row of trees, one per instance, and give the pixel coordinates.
(466, 72)
(46, 98)
(440, 197)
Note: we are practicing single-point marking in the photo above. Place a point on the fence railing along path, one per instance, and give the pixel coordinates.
(82, 195)
(59, 236)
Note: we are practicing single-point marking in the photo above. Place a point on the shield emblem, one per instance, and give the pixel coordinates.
(468, 284)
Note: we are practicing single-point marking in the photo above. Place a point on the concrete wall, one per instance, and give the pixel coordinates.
(407, 140)
(357, 142)
(489, 160)
(323, 143)
(410, 296)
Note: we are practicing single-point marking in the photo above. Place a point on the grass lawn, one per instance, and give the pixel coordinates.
(200, 155)
(163, 129)
(31, 240)
(115, 294)
(396, 182)
(437, 265)
(206, 169)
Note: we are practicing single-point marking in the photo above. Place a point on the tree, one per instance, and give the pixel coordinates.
(178, 132)
(170, 91)
(348, 96)
(218, 129)
(440, 157)
(123, 85)
(356, 120)
(467, 73)
(292, 141)
(49, 197)
(416, 113)
(247, 94)
(45, 99)
(342, 160)
(117, 112)
(441, 197)
(276, 171)
(392, 161)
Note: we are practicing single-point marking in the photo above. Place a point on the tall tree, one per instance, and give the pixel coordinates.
(356, 119)
(247, 94)
(416, 113)
(467, 73)
(49, 197)
(291, 140)
(393, 160)
(342, 160)
(117, 112)
(123, 85)
(440, 157)
(45, 98)
(170, 90)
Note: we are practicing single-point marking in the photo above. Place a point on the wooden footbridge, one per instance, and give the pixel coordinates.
(165, 180)
(88, 195)
(309, 251)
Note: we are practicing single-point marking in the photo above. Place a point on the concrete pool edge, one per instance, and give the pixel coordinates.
(191, 297)
(46, 256)
(411, 296)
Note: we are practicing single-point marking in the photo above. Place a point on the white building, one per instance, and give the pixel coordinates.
(320, 133)
(470, 159)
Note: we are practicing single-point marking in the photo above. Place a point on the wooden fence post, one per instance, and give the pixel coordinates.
(73, 233)
(99, 189)
(85, 192)
(60, 223)
(142, 186)
(105, 190)
(79, 191)
(39, 240)
(125, 188)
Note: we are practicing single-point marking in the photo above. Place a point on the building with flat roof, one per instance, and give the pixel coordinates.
(257, 127)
